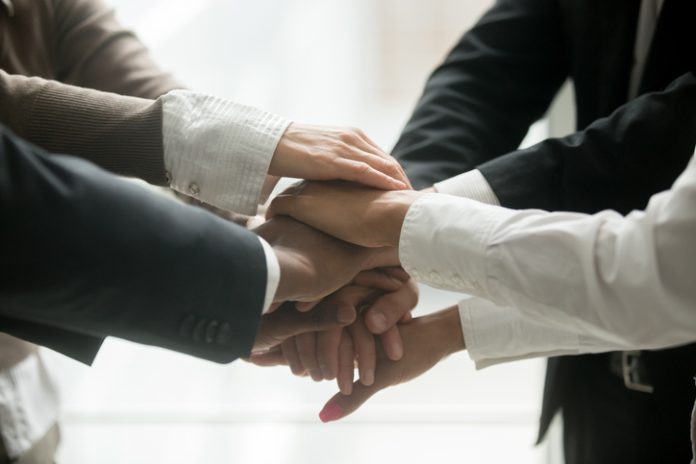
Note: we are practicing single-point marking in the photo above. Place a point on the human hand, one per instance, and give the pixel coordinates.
(286, 322)
(326, 153)
(381, 306)
(356, 214)
(427, 340)
(330, 354)
(313, 264)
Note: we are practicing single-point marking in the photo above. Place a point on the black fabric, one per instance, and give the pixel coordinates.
(604, 422)
(86, 255)
(477, 107)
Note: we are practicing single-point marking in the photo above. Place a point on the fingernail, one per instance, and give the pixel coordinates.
(378, 321)
(347, 389)
(368, 378)
(326, 372)
(331, 412)
(345, 315)
(396, 351)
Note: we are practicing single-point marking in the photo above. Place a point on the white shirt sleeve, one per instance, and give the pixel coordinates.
(470, 184)
(561, 282)
(218, 151)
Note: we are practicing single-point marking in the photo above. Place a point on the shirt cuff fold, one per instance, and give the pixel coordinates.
(498, 334)
(273, 279)
(218, 151)
(472, 185)
(439, 249)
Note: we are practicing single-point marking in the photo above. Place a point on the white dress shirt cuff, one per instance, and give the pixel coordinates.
(29, 404)
(439, 249)
(471, 185)
(273, 270)
(498, 334)
(218, 151)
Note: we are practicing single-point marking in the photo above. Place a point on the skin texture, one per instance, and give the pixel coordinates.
(364, 216)
(287, 322)
(325, 153)
(313, 264)
(427, 340)
(332, 354)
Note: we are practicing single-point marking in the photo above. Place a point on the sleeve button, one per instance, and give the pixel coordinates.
(224, 333)
(199, 330)
(210, 331)
(186, 325)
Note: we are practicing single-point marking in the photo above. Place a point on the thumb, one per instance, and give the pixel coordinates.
(340, 405)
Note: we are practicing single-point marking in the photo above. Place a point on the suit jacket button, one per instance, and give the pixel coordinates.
(224, 333)
(210, 331)
(199, 330)
(186, 325)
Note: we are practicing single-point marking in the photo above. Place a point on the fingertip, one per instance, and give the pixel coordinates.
(346, 314)
(346, 388)
(332, 411)
(304, 306)
(376, 321)
(384, 182)
(368, 377)
(395, 351)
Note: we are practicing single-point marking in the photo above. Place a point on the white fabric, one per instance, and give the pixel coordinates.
(218, 151)
(470, 184)
(273, 271)
(600, 282)
(29, 404)
(474, 186)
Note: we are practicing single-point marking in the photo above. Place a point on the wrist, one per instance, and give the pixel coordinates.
(288, 284)
(397, 204)
(448, 331)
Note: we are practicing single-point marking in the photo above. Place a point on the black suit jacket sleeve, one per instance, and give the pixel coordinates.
(479, 103)
(84, 252)
(617, 163)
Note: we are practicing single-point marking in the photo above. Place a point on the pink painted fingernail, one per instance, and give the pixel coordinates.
(331, 412)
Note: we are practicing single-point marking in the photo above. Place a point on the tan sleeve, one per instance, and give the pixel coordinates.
(119, 133)
(94, 50)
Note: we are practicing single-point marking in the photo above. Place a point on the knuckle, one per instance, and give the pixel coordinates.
(349, 136)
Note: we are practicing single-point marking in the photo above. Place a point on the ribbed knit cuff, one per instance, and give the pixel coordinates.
(120, 134)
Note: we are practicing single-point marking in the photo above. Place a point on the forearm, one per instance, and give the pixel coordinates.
(616, 163)
(90, 253)
(120, 134)
(600, 275)
(479, 103)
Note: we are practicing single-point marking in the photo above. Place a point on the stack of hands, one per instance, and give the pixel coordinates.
(343, 301)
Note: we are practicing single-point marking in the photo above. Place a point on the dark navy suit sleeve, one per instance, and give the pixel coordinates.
(478, 105)
(84, 252)
(617, 162)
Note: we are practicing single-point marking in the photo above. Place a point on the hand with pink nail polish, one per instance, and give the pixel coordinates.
(427, 340)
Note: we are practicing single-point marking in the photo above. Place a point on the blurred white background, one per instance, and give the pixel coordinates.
(351, 62)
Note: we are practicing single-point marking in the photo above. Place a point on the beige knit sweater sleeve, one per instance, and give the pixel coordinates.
(102, 104)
